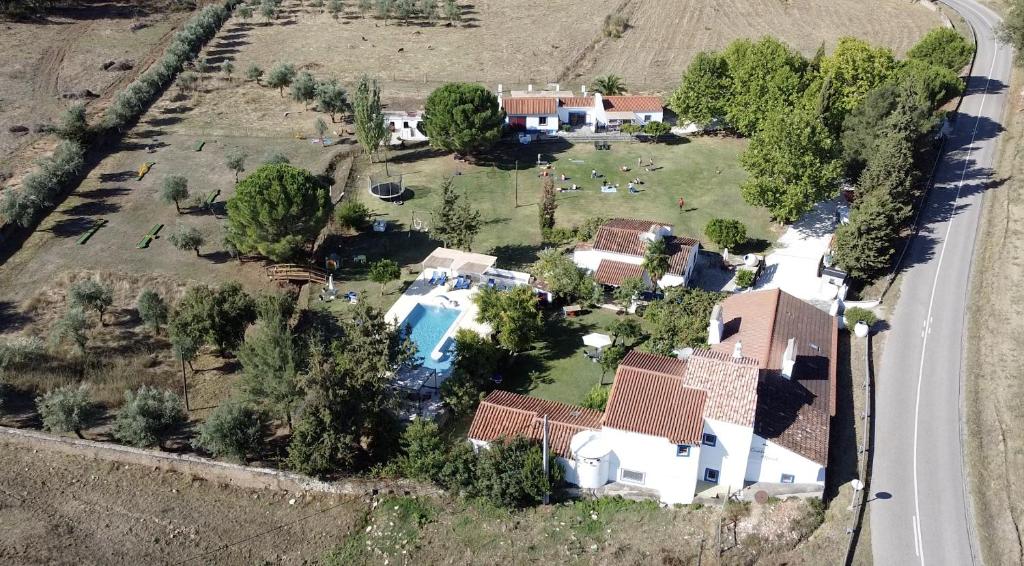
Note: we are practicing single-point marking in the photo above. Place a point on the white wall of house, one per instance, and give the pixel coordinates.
(534, 122)
(588, 121)
(674, 477)
(590, 259)
(769, 462)
(644, 117)
(405, 128)
(729, 454)
(674, 280)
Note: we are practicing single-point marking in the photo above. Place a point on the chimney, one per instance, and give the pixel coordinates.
(584, 89)
(737, 350)
(529, 88)
(716, 328)
(558, 87)
(500, 93)
(789, 359)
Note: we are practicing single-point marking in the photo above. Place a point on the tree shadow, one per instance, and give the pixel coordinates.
(163, 121)
(71, 227)
(118, 177)
(92, 208)
(515, 254)
(843, 456)
(12, 318)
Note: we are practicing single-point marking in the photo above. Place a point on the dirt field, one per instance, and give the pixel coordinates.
(542, 41)
(57, 509)
(43, 60)
(994, 386)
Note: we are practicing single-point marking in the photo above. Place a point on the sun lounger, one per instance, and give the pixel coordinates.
(443, 280)
(433, 278)
(609, 189)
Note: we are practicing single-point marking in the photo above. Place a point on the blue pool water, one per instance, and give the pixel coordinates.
(429, 324)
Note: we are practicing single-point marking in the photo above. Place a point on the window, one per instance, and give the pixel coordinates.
(710, 439)
(542, 121)
(788, 478)
(710, 475)
(632, 476)
(647, 117)
(405, 125)
(682, 449)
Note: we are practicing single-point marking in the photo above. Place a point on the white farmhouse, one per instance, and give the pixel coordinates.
(405, 127)
(618, 252)
(547, 111)
(752, 411)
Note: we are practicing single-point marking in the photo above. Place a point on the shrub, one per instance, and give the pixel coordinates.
(91, 294)
(71, 328)
(596, 398)
(726, 233)
(353, 215)
(234, 430)
(744, 278)
(854, 315)
(511, 473)
(152, 309)
(66, 409)
(148, 415)
(656, 129)
(425, 451)
(944, 47)
(254, 73)
(614, 25)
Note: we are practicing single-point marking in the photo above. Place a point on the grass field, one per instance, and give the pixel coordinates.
(704, 171)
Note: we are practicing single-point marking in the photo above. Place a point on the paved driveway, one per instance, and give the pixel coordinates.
(793, 266)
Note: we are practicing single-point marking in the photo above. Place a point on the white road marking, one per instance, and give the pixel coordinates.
(919, 546)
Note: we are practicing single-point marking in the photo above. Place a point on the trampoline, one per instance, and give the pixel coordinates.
(388, 189)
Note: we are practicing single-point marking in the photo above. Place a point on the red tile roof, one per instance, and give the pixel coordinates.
(653, 362)
(793, 413)
(631, 103)
(530, 106)
(578, 102)
(622, 236)
(731, 385)
(655, 404)
(506, 414)
(613, 272)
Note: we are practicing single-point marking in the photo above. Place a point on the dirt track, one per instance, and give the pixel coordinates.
(57, 509)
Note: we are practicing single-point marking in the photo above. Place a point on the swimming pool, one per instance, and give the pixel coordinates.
(429, 325)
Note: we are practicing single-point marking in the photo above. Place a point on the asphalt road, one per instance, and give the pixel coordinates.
(918, 457)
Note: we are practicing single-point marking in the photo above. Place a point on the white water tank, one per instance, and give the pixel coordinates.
(590, 454)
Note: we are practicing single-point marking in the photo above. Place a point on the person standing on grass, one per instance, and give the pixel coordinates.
(593, 173)
(639, 162)
(681, 202)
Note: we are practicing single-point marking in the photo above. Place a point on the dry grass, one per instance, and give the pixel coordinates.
(996, 331)
(42, 60)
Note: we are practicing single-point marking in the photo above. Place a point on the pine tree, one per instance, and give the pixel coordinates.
(547, 206)
(865, 245)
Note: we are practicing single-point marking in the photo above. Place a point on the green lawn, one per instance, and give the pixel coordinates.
(705, 172)
(557, 370)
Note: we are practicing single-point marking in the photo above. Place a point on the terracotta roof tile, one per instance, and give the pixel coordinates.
(731, 385)
(655, 404)
(530, 106)
(634, 103)
(785, 415)
(653, 362)
(613, 272)
(578, 102)
(506, 414)
(622, 236)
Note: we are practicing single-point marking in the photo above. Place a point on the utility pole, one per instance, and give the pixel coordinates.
(184, 383)
(544, 450)
(516, 183)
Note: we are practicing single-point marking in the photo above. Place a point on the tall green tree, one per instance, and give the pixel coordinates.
(547, 205)
(680, 319)
(91, 294)
(791, 164)
(853, 70)
(656, 260)
(175, 190)
(455, 222)
(865, 245)
(703, 94)
(767, 78)
(304, 88)
(152, 309)
(270, 367)
(384, 271)
(213, 316)
(562, 277)
(513, 315)
(371, 127)
(281, 76)
(475, 363)
(277, 211)
(463, 118)
(511, 473)
(944, 47)
(332, 98)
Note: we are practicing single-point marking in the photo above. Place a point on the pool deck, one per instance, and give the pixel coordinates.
(420, 291)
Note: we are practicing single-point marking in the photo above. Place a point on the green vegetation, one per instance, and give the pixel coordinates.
(91, 294)
(67, 409)
(235, 161)
(943, 47)
(853, 315)
(609, 85)
(332, 98)
(384, 271)
(71, 328)
(212, 316)
(473, 369)
(1011, 29)
(174, 190)
(597, 398)
(456, 223)
(233, 430)
(277, 211)
(148, 416)
(680, 320)
(512, 314)
(353, 215)
(725, 232)
(511, 474)
(187, 238)
(463, 118)
(744, 278)
(371, 129)
(152, 308)
(270, 362)
(281, 76)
